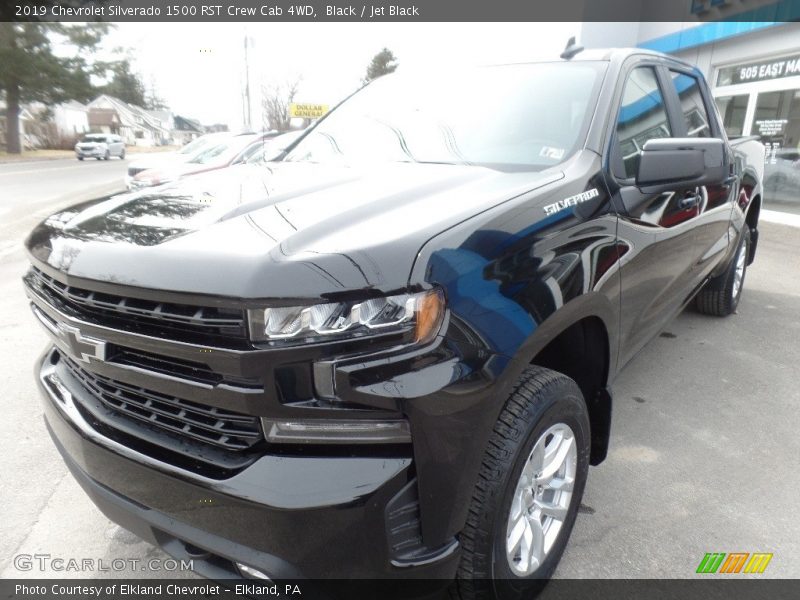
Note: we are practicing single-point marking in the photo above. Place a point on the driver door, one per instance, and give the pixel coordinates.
(658, 268)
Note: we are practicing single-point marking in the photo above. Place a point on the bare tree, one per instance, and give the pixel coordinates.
(275, 104)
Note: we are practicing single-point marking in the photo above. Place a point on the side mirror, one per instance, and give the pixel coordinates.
(686, 162)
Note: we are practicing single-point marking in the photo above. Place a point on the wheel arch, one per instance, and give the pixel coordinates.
(580, 341)
(751, 219)
(581, 351)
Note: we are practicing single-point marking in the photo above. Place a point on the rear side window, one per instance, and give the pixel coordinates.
(693, 108)
(642, 117)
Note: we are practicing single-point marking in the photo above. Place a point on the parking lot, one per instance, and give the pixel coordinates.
(704, 453)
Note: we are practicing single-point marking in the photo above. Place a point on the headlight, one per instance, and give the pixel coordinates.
(421, 312)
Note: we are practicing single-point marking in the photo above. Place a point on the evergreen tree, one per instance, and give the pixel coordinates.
(32, 72)
(383, 63)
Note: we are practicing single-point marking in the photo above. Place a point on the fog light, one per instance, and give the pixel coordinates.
(321, 431)
(251, 572)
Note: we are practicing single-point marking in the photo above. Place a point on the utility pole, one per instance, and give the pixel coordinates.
(248, 114)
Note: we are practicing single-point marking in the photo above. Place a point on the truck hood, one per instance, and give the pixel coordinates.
(288, 230)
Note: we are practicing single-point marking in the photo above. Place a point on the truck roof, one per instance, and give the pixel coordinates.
(620, 54)
(610, 55)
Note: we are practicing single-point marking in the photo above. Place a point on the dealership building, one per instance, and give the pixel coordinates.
(754, 71)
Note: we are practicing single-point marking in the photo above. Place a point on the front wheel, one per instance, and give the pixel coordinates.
(122, 155)
(528, 492)
(720, 295)
(107, 156)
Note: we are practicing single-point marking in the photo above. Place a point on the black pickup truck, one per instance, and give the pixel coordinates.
(389, 352)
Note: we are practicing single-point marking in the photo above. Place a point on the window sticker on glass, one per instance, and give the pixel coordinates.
(550, 152)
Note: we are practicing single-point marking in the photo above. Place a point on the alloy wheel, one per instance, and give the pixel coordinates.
(541, 499)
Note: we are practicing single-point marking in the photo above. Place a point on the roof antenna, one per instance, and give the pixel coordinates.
(572, 49)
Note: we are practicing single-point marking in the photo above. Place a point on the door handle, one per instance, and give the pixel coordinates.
(689, 202)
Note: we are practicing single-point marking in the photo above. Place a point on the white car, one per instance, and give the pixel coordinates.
(782, 176)
(162, 159)
(101, 146)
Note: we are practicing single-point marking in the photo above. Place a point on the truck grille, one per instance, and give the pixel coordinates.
(181, 322)
(143, 397)
(205, 424)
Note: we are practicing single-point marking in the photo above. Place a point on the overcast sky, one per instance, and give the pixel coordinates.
(199, 68)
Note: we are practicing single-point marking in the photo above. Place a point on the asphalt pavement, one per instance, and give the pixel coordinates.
(705, 451)
(29, 191)
(704, 454)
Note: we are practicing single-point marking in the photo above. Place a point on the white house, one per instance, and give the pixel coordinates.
(24, 117)
(71, 118)
(186, 129)
(140, 128)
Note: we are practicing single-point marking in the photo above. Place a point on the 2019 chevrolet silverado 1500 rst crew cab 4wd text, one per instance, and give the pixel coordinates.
(388, 353)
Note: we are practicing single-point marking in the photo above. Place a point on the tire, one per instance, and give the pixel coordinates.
(107, 156)
(720, 295)
(122, 155)
(542, 403)
(80, 158)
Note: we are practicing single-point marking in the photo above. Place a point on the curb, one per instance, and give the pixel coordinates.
(32, 159)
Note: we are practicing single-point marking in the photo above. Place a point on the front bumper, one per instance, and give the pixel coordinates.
(288, 516)
(90, 152)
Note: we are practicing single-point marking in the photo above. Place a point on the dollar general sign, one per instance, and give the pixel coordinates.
(307, 111)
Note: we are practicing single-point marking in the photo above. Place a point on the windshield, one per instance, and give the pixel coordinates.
(517, 116)
(270, 149)
(222, 153)
(94, 138)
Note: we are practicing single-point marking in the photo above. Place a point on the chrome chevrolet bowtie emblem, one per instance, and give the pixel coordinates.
(80, 346)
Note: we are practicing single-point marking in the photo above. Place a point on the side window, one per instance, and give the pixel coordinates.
(642, 117)
(254, 153)
(694, 110)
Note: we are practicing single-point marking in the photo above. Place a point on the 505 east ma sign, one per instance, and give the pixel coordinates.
(760, 71)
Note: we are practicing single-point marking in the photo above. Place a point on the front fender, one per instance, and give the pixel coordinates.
(514, 279)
